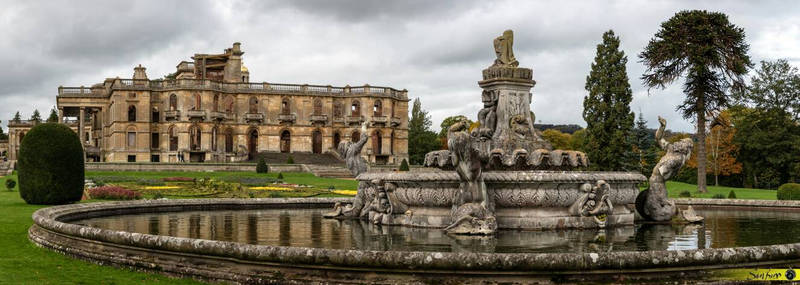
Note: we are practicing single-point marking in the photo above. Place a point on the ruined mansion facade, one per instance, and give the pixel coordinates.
(209, 111)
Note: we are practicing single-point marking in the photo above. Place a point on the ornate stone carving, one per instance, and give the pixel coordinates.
(653, 203)
(594, 202)
(487, 117)
(504, 49)
(352, 152)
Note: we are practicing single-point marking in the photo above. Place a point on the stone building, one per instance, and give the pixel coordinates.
(208, 110)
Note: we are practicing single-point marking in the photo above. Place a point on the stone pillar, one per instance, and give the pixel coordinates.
(81, 117)
(60, 114)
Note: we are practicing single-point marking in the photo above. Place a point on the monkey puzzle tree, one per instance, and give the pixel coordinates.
(711, 53)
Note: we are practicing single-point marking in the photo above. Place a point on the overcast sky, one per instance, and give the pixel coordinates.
(435, 49)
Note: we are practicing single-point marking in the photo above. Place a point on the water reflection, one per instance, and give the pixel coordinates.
(307, 228)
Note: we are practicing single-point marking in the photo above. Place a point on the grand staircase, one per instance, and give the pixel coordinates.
(322, 165)
(329, 171)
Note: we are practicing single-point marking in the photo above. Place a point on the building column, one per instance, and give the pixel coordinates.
(81, 125)
(60, 115)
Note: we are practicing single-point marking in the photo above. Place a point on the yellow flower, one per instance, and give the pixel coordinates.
(271, 188)
(345, 192)
(161, 187)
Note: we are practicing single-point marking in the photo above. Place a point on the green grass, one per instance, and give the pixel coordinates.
(288, 177)
(675, 188)
(21, 262)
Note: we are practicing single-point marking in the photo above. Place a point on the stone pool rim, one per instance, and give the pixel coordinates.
(52, 229)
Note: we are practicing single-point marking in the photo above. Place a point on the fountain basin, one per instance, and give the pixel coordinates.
(246, 263)
(530, 200)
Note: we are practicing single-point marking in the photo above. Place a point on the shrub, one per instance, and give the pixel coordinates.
(51, 167)
(685, 194)
(789, 191)
(250, 181)
(10, 183)
(262, 167)
(158, 195)
(113, 193)
(280, 175)
(178, 179)
(290, 160)
(718, 196)
(404, 165)
(731, 195)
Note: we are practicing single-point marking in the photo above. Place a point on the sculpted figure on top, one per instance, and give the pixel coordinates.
(503, 48)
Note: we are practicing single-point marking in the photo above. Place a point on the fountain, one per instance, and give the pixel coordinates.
(498, 174)
(500, 205)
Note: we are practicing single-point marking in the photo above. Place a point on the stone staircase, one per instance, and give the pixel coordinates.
(300, 158)
(329, 171)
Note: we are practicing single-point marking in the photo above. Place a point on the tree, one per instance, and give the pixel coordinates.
(261, 166)
(51, 167)
(775, 86)
(643, 153)
(722, 151)
(420, 137)
(769, 145)
(16, 117)
(578, 140)
(558, 139)
(449, 121)
(36, 117)
(711, 53)
(606, 109)
(53, 118)
(3, 135)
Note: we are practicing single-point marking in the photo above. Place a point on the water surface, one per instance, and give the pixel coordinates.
(307, 228)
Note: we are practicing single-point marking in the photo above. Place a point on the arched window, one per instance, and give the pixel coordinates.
(317, 106)
(377, 109)
(286, 141)
(285, 107)
(155, 115)
(215, 108)
(229, 140)
(252, 144)
(173, 139)
(337, 138)
(355, 136)
(391, 143)
(198, 103)
(173, 102)
(131, 113)
(337, 109)
(214, 139)
(253, 105)
(131, 138)
(355, 108)
(229, 104)
(377, 144)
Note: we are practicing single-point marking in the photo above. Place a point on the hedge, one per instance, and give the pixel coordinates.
(51, 166)
(789, 191)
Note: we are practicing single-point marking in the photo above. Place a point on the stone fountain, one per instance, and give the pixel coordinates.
(499, 173)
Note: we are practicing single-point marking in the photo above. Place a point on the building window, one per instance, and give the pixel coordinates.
(318, 106)
(355, 109)
(155, 158)
(215, 108)
(131, 158)
(173, 139)
(173, 102)
(229, 140)
(285, 106)
(154, 140)
(131, 139)
(253, 105)
(132, 113)
(337, 109)
(214, 139)
(198, 103)
(355, 136)
(377, 109)
(229, 104)
(156, 117)
(195, 136)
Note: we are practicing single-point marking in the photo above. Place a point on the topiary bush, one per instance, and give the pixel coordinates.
(290, 160)
(404, 165)
(51, 167)
(789, 191)
(731, 195)
(262, 167)
(280, 176)
(685, 194)
(10, 183)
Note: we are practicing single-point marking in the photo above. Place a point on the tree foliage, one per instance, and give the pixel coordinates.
(644, 153)
(53, 118)
(711, 53)
(775, 86)
(606, 109)
(17, 117)
(421, 139)
(722, 151)
(449, 121)
(36, 117)
(769, 144)
(558, 139)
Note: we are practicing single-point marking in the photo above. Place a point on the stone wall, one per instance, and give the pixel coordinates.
(144, 166)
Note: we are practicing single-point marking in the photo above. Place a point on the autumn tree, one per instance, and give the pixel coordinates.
(606, 109)
(711, 53)
(722, 151)
(421, 139)
(557, 139)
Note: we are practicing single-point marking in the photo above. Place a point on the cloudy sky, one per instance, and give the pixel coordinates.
(435, 49)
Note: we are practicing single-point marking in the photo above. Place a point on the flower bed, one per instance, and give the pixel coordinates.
(178, 179)
(113, 193)
(272, 188)
(345, 192)
(161, 187)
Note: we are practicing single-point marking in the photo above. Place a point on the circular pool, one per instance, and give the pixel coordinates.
(288, 241)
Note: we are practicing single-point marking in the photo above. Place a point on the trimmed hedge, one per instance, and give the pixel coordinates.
(51, 167)
(262, 167)
(789, 191)
(404, 165)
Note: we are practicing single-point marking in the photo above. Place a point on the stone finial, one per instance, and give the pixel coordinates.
(503, 48)
(139, 72)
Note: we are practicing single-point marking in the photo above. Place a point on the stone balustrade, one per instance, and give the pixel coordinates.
(287, 118)
(319, 118)
(254, 117)
(353, 120)
(216, 115)
(380, 120)
(203, 84)
(172, 115)
(396, 121)
(196, 114)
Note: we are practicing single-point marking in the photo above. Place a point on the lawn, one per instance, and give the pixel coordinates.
(675, 188)
(21, 262)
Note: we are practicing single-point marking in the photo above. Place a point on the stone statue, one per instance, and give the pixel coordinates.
(594, 202)
(352, 153)
(487, 116)
(366, 193)
(653, 203)
(473, 210)
(503, 48)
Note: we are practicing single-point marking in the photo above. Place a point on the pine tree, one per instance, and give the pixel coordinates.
(643, 152)
(53, 118)
(36, 117)
(17, 117)
(3, 136)
(606, 109)
(421, 139)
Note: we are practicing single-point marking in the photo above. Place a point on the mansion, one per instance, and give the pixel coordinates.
(209, 111)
